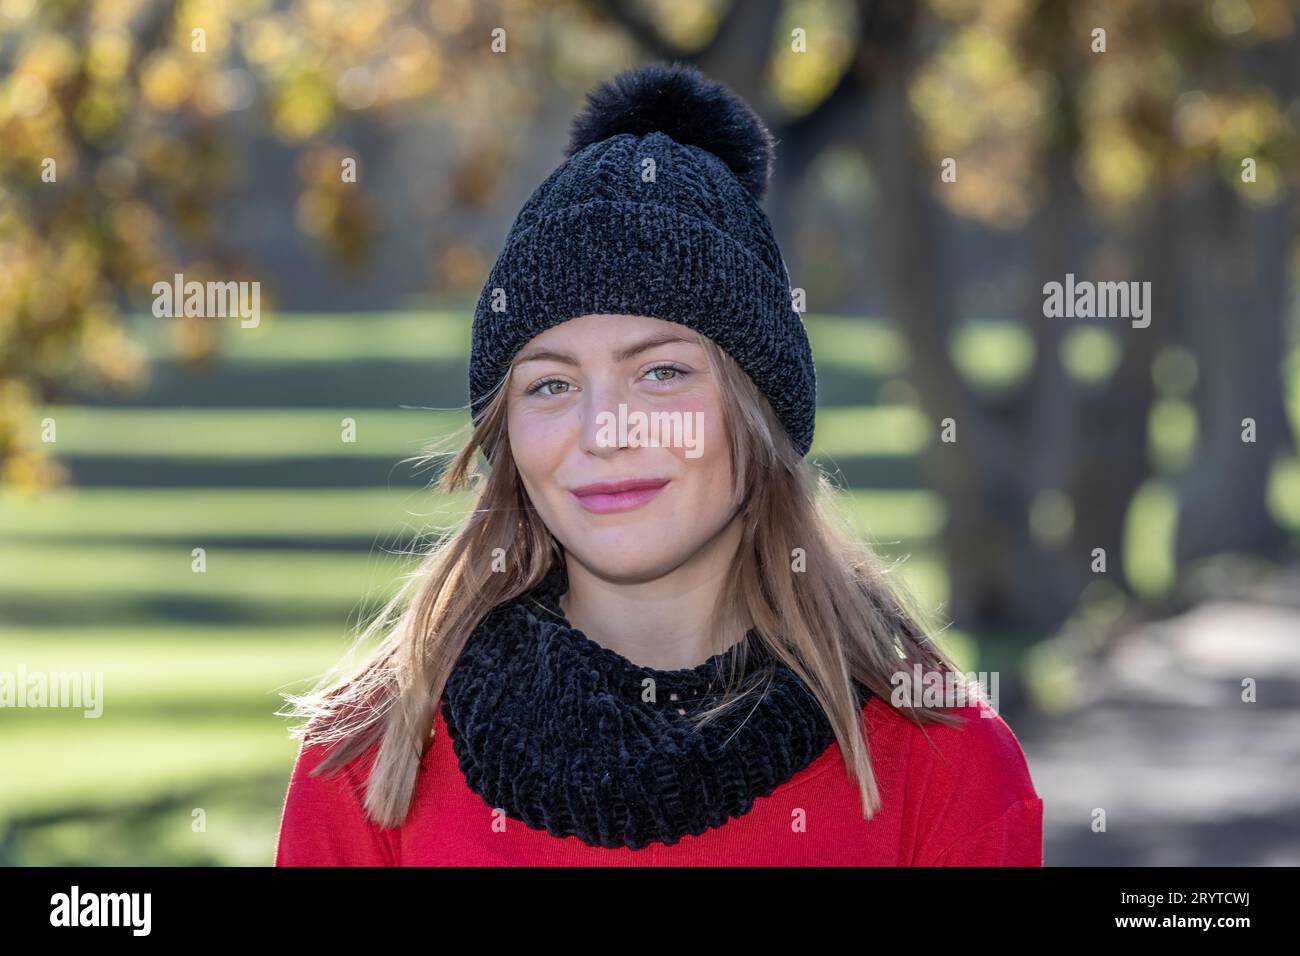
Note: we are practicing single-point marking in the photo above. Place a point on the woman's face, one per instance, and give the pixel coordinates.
(587, 402)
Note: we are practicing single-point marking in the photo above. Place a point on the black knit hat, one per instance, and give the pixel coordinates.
(683, 238)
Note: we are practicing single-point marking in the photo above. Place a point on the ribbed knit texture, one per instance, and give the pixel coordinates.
(553, 728)
(691, 246)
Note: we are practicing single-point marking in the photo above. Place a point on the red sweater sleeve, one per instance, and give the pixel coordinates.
(323, 822)
(977, 800)
(1013, 839)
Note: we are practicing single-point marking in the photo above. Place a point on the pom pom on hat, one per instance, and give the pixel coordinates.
(678, 100)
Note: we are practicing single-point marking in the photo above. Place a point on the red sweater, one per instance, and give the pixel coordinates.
(962, 798)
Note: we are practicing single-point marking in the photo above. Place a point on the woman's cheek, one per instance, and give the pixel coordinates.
(717, 455)
(712, 435)
(698, 414)
(537, 434)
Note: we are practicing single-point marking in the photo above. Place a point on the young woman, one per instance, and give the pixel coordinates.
(654, 641)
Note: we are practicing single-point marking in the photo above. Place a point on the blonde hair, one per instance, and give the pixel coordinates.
(843, 618)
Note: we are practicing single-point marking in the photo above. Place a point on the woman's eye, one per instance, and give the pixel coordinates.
(534, 389)
(674, 373)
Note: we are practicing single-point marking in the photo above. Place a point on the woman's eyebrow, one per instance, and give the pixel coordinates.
(622, 355)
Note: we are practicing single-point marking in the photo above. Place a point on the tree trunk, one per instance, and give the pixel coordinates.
(1236, 274)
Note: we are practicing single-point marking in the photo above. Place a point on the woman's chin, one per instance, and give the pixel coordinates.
(626, 565)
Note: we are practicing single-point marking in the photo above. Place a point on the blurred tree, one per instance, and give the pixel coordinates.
(126, 124)
(1105, 159)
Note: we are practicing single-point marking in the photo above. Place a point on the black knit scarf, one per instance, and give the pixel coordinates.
(567, 736)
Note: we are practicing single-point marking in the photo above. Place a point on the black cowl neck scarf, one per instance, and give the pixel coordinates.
(561, 733)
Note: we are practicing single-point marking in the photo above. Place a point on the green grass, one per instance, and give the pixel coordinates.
(867, 346)
(191, 513)
(218, 823)
(178, 707)
(195, 671)
(870, 430)
(59, 571)
(224, 434)
(75, 761)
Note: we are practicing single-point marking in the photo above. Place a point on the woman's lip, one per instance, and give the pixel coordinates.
(633, 495)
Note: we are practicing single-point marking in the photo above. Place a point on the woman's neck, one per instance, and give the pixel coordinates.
(663, 623)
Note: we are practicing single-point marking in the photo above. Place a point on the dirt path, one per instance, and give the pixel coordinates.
(1187, 772)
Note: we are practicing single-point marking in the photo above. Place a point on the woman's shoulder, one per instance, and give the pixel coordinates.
(323, 817)
(336, 790)
(966, 785)
(979, 755)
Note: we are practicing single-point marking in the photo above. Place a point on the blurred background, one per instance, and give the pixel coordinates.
(1113, 531)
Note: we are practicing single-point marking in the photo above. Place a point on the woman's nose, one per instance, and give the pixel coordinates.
(605, 410)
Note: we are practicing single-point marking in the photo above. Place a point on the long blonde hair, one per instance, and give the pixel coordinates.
(844, 617)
